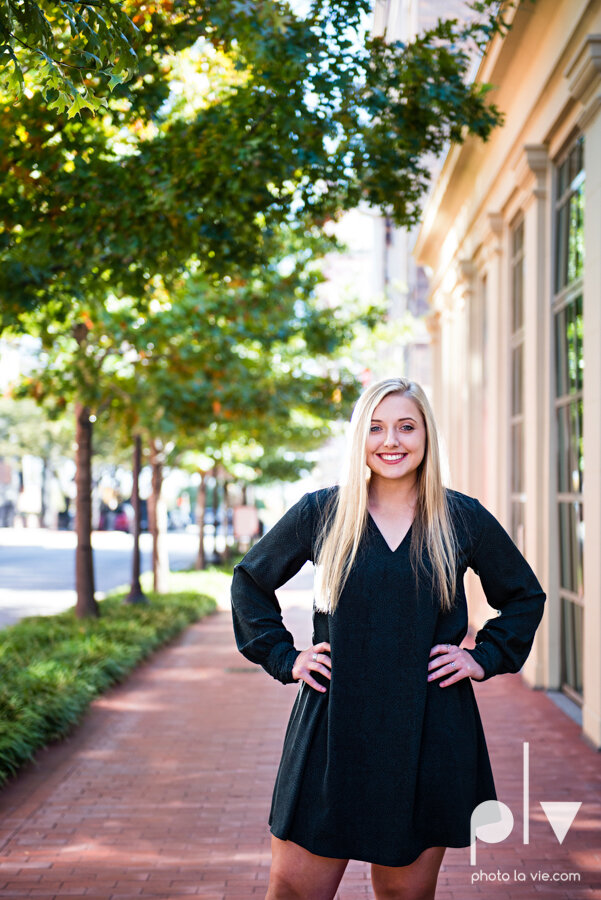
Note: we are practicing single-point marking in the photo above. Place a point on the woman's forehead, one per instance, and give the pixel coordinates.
(396, 406)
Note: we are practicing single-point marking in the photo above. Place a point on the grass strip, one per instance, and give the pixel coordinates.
(52, 667)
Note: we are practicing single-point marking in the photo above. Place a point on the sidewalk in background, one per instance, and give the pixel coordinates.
(164, 790)
(37, 566)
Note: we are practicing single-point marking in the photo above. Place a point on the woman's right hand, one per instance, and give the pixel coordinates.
(314, 659)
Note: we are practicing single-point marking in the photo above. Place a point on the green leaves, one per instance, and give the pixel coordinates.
(62, 49)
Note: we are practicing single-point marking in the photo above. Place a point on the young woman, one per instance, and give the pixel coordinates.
(384, 757)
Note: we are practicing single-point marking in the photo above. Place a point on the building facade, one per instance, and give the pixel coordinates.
(511, 237)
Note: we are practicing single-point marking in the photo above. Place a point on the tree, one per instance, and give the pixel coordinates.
(226, 358)
(136, 594)
(299, 118)
(62, 49)
(214, 356)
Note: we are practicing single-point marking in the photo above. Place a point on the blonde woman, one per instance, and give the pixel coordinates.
(384, 757)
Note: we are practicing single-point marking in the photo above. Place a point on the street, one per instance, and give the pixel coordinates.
(37, 566)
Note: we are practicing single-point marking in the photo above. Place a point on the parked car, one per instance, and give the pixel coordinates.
(124, 518)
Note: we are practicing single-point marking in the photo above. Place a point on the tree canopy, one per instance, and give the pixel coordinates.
(290, 117)
(157, 221)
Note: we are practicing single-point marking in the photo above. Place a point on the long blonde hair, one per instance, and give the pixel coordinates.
(345, 518)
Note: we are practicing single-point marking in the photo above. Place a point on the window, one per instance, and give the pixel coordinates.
(517, 486)
(569, 372)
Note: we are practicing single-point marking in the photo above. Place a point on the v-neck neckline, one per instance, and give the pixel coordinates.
(403, 539)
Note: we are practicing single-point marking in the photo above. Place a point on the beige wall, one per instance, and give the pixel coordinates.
(547, 73)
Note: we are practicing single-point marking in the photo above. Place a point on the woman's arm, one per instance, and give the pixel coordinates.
(511, 587)
(258, 627)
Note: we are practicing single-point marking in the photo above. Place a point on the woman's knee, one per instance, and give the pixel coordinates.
(286, 885)
(297, 874)
(283, 887)
(416, 881)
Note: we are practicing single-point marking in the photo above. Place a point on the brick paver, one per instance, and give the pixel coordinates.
(164, 789)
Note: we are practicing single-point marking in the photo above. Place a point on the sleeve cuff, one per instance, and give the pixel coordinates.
(486, 656)
(281, 662)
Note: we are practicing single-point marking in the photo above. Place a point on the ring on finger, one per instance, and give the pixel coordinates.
(314, 656)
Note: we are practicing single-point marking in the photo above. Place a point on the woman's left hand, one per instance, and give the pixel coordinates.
(448, 659)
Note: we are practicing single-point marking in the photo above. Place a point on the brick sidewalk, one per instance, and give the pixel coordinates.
(164, 790)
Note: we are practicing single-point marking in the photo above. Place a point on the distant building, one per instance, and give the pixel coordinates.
(20, 484)
(511, 236)
(398, 277)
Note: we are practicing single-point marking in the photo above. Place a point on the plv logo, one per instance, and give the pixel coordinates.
(492, 821)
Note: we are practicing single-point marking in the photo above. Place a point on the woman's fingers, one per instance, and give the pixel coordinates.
(308, 679)
(453, 663)
(321, 659)
(314, 659)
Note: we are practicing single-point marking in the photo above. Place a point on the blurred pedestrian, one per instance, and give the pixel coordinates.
(384, 758)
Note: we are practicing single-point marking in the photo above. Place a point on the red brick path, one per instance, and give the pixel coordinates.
(164, 789)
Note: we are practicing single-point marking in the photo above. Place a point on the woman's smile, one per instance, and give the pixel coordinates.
(396, 442)
(392, 458)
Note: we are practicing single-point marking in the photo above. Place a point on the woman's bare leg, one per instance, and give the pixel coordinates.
(297, 874)
(414, 882)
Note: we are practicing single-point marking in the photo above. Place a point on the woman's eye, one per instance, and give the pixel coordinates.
(407, 428)
(374, 428)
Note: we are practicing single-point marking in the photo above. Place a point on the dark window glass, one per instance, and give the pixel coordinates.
(517, 286)
(570, 457)
(576, 236)
(569, 358)
(517, 380)
(571, 540)
(572, 627)
(560, 248)
(569, 220)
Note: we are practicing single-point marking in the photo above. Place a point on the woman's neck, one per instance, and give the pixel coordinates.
(385, 493)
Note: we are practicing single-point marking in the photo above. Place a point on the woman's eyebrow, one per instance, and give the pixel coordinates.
(403, 419)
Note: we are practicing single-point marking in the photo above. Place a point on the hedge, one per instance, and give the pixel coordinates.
(52, 667)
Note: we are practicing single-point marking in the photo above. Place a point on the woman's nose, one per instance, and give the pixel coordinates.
(391, 438)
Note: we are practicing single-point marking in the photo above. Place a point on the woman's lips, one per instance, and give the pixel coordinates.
(392, 459)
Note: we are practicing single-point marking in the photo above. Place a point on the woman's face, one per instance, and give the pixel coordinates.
(396, 443)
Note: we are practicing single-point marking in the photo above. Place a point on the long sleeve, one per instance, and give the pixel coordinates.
(511, 587)
(258, 627)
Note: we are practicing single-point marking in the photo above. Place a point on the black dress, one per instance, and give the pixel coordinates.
(384, 764)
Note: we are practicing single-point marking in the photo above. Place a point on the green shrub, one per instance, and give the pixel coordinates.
(52, 667)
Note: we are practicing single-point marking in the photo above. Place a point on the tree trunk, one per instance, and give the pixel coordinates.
(201, 506)
(86, 605)
(216, 557)
(157, 516)
(46, 470)
(136, 594)
(226, 508)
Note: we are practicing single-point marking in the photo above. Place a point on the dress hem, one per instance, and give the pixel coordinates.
(452, 845)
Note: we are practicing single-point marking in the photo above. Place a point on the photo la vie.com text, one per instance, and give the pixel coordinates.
(492, 822)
